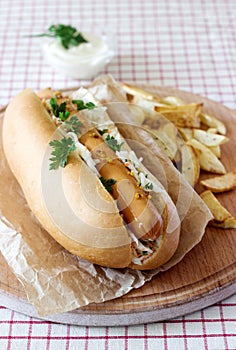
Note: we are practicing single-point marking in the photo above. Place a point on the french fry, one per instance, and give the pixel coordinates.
(190, 164)
(219, 213)
(208, 161)
(221, 183)
(182, 116)
(212, 122)
(209, 139)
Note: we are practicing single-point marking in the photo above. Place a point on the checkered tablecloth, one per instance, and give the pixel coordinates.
(186, 44)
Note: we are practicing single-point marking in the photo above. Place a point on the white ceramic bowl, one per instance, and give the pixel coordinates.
(81, 62)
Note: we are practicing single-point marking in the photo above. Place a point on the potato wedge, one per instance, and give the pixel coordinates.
(167, 134)
(172, 101)
(162, 145)
(221, 183)
(228, 223)
(216, 150)
(182, 116)
(219, 213)
(138, 112)
(212, 122)
(209, 139)
(190, 164)
(212, 130)
(208, 161)
(186, 133)
(144, 103)
(153, 120)
(135, 91)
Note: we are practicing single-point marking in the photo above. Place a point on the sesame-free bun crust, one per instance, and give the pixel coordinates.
(71, 203)
(27, 131)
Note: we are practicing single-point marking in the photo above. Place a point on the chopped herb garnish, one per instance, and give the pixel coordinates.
(108, 183)
(59, 110)
(113, 144)
(66, 34)
(102, 132)
(149, 186)
(81, 105)
(61, 151)
(73, 125)
(144, 252)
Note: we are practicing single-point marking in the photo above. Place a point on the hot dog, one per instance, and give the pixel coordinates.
(141, 228)
(141, 214)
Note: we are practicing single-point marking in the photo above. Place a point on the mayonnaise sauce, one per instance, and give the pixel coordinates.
(84, 61)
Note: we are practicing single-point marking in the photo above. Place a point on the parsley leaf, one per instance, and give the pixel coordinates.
(113, 144)
(61, 151)
(59, 110)
(66, 34)
(102, 132)
(73, 124)
(108, 183)
(81, 105)
(145, 252)
(149, 186)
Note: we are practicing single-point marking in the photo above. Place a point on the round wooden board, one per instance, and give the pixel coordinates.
(205, 276)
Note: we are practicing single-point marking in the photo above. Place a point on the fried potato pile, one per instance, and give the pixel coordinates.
(192, 140)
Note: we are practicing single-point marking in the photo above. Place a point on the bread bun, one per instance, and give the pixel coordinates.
(71, 203)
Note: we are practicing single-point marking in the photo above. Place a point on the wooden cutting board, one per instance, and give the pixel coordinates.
(205, 276)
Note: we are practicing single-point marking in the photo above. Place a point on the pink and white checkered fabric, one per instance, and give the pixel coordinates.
(186, 44)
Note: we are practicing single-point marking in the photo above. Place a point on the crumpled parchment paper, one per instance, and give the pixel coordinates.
(55, 281)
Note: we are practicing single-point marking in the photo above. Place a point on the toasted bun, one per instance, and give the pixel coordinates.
(71, 203)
